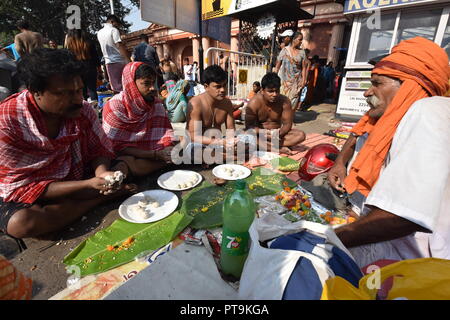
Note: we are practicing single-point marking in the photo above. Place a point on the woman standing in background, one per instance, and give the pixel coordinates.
(84, 50)
(292, 69)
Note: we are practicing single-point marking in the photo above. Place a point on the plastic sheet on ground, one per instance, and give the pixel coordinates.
(185, 273)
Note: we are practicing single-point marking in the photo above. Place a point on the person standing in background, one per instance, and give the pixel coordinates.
(195, 71)
(173, 66)
(84, 51)
(26, 41)
(114, 51)
(292, 69)
(329, 75)
(188, 70)
(286, 37)
(153, 60)
(139, 50)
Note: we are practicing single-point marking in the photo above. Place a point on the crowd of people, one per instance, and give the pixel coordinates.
(55, 151)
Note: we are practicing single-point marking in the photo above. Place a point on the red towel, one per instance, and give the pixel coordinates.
(29, 160)
(130, 121)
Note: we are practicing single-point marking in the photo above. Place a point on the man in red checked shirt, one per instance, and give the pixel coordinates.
(50, 142)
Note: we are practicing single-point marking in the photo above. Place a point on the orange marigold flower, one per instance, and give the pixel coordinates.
(110, 248)
(308, 204)
(285, 183)
(351, 219)
(128, 241)
(287, 189)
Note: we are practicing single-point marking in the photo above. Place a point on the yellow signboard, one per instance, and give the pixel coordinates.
(218, 8)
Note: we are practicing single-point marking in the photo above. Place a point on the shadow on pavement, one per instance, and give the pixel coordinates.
(305, 116)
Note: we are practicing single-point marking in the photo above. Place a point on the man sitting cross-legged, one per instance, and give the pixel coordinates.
(50, 141)
(272, 111)
(210, 110)
(137, 123)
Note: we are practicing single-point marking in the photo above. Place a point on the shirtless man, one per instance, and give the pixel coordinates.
(270, 110)
(211, 109)
(26, 41)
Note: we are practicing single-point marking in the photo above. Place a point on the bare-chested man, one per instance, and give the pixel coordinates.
(270, 110)
(211, 109)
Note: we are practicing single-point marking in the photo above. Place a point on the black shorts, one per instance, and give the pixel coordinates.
(7, 210)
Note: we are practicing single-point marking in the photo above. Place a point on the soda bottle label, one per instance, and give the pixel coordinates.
(234, 243)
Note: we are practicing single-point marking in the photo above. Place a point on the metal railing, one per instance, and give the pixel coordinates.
(243, 69)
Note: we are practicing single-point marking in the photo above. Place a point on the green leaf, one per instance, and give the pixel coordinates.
(92, 255)
(265, 182)
(211, 197)
(285, 164)
(208, 197)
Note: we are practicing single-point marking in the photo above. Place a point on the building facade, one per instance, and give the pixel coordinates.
(377, 27)
(324, 35)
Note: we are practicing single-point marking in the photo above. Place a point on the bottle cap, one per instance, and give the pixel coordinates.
(240, 184)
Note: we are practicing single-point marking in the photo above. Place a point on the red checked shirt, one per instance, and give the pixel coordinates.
(29, 160)
(130, 121)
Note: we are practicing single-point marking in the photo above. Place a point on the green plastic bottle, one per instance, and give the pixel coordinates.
(238, 213)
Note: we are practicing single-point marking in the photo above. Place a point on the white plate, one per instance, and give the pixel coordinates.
(168, 202)
(220, 171)
(171, 179)
(265, 155)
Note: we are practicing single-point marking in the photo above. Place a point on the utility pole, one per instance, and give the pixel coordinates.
(111, 3)
(200, 48)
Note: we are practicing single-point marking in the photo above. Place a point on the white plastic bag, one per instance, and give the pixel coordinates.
(267, 271)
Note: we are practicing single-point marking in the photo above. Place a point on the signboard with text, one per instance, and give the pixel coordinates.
(352, 102)
(218, 8)
(184, 15)
(353, 6)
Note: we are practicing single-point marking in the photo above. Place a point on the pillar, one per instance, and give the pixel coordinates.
(234, 58)
(160, 51)
(167, 50)
(195, 47)
(337, 36)
(206, 44)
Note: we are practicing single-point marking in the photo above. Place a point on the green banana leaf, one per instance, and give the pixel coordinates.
(205, 203)
(285, 164)
(92, 255)
(265, 182)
